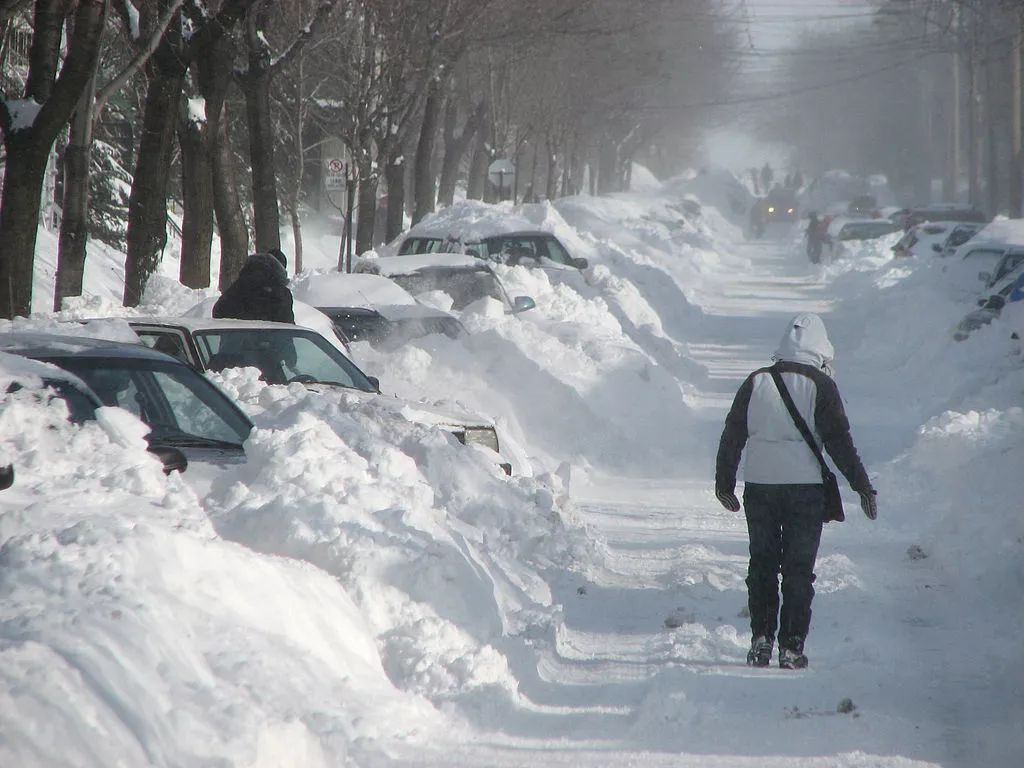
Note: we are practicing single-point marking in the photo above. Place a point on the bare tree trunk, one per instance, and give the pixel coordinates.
(234, 234)
(1017, 161)
(552, 177)
(147, 204)
(455, 150)
(423, 185)
(74, 222)
(28, 147)
(367, 206)
(23, 186)
(266, 216)
(394, 178)
(197, 195)
(476, 180)
(606, 166)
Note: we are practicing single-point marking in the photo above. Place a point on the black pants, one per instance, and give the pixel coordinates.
(784, 524)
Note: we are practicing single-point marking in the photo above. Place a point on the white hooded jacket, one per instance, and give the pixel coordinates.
(759, 421)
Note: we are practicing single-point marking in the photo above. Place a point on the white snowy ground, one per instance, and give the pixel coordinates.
(365, 591)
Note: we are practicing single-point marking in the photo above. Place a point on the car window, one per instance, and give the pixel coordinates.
(414, 245)
(555, 251)
(281, 355)
(983, 254)
(168, 342)
(178, 404)
(512, 249)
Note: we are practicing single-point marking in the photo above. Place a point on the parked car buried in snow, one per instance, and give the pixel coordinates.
(374, 308)
(464, 278)
(841, 232)
(286, 354)
(531, 248)
(186, 412)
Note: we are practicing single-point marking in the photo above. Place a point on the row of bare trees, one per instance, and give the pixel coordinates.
(226, 108)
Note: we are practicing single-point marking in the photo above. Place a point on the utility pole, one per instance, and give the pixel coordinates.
(992, 154)
(1017, 162)
(950, 182)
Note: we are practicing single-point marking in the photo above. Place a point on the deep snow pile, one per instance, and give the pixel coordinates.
(443, 555)
(132, 634)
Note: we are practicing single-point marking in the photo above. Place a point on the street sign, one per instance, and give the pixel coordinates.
(335, 174)
(502, 173)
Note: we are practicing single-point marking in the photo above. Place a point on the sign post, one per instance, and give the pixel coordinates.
(502, 174)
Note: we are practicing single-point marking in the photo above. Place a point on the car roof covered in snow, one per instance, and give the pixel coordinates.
(999, 233)
(358, 289)
(211, 324)
(53, 345)
(25, 370)
(408, 265)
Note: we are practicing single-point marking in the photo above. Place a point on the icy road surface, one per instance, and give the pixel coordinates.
(648, 669)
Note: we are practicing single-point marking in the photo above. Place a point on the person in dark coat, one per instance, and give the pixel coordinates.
(783, 496)
(260, 292)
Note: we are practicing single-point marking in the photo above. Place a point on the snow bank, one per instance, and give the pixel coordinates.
(131, 634)
(443, 554)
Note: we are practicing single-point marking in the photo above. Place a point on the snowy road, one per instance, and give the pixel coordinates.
(648, 665)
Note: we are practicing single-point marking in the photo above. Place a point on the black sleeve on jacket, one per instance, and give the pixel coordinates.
(734, 437)
(834, 428)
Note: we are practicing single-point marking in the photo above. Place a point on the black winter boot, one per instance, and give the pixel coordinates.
(791, 659)
(760, 653)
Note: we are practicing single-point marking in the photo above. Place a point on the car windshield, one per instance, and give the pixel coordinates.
(282, 355)
(181, 407)
(1007, 265)
(960, 236)
(867, 230)
(463, 286)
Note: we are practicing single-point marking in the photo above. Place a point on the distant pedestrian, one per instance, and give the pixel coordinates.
(260, 292)
(782, 416)
(815, 234)
(767, 177)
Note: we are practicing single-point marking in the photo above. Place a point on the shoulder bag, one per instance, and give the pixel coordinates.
(833, 500)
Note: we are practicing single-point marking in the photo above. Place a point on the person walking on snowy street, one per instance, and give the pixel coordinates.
(782, 415)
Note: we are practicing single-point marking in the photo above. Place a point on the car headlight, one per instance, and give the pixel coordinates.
(771, 209)
(485, 436)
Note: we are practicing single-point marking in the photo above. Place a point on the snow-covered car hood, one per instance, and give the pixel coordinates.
(451, 415)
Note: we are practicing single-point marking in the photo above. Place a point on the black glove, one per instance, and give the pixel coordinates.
(869, 503)
(727, 499)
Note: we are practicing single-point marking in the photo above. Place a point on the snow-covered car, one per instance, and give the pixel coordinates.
(919, 239)
(958, 235)
(945, 212)
(286, 354)
(990, 310)
(464, 278)
(1006, 270)
(532, 248)
(373, 308)
(184, 411)
(842, 231)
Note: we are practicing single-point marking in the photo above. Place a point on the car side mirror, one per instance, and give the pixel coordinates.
(473, 252)
(374, 381)
(936, 247)
(522, 304)
(984, 276)
(580, 263)
(172, 458)
(6, 477)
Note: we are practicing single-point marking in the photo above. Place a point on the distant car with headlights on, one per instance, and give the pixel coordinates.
(288, 354)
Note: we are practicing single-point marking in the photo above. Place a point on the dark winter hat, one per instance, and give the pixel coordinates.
(278, 254)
